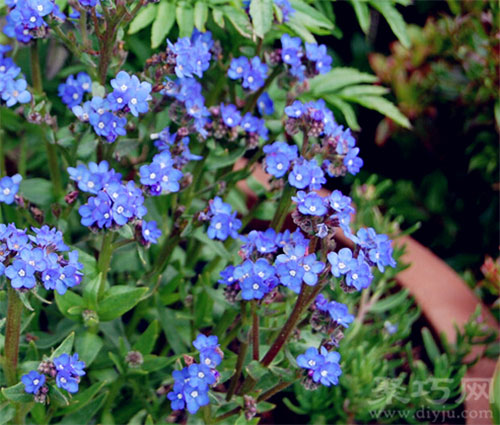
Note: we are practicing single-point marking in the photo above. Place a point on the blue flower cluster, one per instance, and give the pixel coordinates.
(12, 90)
(322, 366)
(72, 91)
(223, 222)
(338, 312)
(9, 187)
(191, 55)
(191, 384)
(315, 60)
(377, 249)
(26, 18)
(161, 176)
(337, 145)
(230, 120)
(107, 115)
(65, 369)
(253, 72)
(177, 145)
(271, 259)
(190, 109)
(26, 259)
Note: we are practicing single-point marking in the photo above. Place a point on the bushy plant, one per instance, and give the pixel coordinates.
(148, 272)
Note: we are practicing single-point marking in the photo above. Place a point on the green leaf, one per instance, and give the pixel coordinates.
(256, 370)
(6, 413)
(17, 393)
(301, 30)
(56, 395)
(261, 12)
(86, 413)
(430, 346)
(81, 399)
(362, 90)
(70, 305)
(214, 162)
(169, 322)
(338, 78)
(309, 16)
(88, 346)
(362, 13)
(239, 19)
(163, 23)
(147, 340)
(394, 19)
(118, 300)
(91, 292)
(218, 17)
(497, 113)
(145, 16)
(200, 15)
(346, 109)
(153, 363)
(217, 247)
(389, 302)
(383, 106)
(64, 347)
(185, 19)
(39, 191)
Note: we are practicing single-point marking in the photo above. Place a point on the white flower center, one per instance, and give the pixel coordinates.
(119, 100)
(312, 208)
(101, 125)
(355, 276)
(85, 86)
(147, 232)
(255, 286)
(165, 178)
(194, 394)
(62, 277)
(75, 96)
(133, 101)
(21, 273)
(123, 87)
(6, 191)
(218, 226)
(152, 175)
(36, 381)
(261, 274)
(90, 184)
(298, 177)
(311, 363)
(229, 120)
(239, 70)
(324, 373)
(106, 215)
(32, 19)
(201, 375)
(63, 380)
(341, 265)
(119, 210)
(250, 79)
(287, 57)
(279, 166)
(307, 267)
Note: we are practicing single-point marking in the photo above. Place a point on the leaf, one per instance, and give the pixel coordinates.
(145, 16)
(301, 30)
(147, 340)
(389, 302)
(218, 17)
(168, 323)
(362, 13)
(17, 393)
(217, 247)
(88, 346)
(261, 12)
(70, 305)
(185, 19)
(383, 106)
(215, 162)
(64, 347)
(309, 16)
(91, 292)
(87, 412)
(239, 19)
(153, 363)
(394, 19)
(346, 109)
(163, 23)
(81, 399)
(362, 90)
(39, 191)
(430, 346)
(200, 15)
(6, 413)
(338, 78)
(118, 300)
(256, 370)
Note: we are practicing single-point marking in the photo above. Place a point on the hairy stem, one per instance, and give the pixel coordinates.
(255, 331)
(105, 259)
(12, 333)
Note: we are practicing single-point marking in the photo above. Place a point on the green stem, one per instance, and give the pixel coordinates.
(105, 259)
(12, 334)
(239, 368)
(281, 212)
(83, 27)
(255, 331)
(2, 153)
(36, 73)
(55, 174)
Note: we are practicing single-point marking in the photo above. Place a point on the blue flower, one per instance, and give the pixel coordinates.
(195, 398)
(291, 274)
(312, 268)
(295, 110)
(150, 231)
(265, 104)
(223, 223)
(9, 186)
(352, 161)
(279, 156)
(255, 76)
(291, 52)
(21, 274)
(35, 258)
(286, 9)
(97, 210)
(42, 7)
(192, 55)
(47, 236)
(339, 202)
(317, 53)
(208, 346)
(16, 92)
(227, 276)
(200, 376)
(339, 313)
(329, 371)
(310, 203)
(176, 396)
(238, 68)
(360, 276)
(33, 381)
(311, 359)
(301, 174)
(341, 262)
(230, 115)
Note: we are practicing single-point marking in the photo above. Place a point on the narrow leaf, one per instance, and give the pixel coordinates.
(163, 23)
(145, 16)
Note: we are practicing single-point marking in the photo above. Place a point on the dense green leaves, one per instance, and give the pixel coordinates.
(118, 300)
(261, 12)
